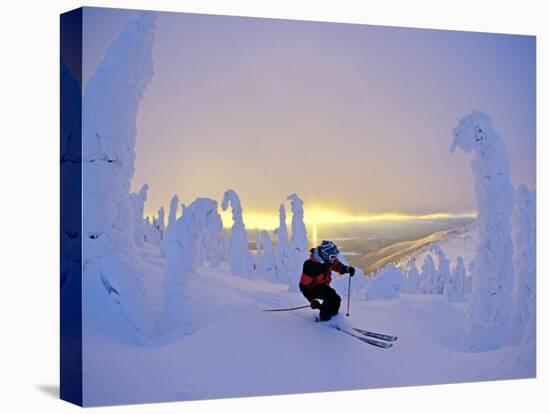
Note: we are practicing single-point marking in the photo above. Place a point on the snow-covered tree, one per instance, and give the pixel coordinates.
(298, 246)
(281, 232)
(240, 259)
(174, 203)
(109, 111)
(257, 253)
(148, 230)
(492, 270)
(281, 248)
(443, 271)
(413, 278)
(468, 282)
(172, 215)
(524, 220)
(267, 265)
(428, 275)
(387, 283)
(209, 241)
(455, 289)
(359, 282)
(154, 237)
(138, 204)
(161, 225)
(184, 246)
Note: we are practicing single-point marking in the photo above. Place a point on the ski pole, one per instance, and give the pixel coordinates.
(349, 291)
(287, 309)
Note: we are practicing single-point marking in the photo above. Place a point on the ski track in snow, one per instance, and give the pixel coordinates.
(238, 350)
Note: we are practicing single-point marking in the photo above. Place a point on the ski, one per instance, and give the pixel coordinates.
(383, 337)
(376, 335)
(374, 342)
(369, 341)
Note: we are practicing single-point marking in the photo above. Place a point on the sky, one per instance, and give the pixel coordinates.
(353, 118)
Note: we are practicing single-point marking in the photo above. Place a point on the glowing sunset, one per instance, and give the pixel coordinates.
(318, 215)
(343, 115)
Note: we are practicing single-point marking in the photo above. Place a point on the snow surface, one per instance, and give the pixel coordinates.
(241, 351)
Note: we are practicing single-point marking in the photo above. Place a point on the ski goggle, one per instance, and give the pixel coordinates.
(332, 257)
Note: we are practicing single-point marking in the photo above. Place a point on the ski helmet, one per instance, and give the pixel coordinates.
(328, 251)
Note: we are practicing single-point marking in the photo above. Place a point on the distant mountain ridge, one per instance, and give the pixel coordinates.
(399, 251)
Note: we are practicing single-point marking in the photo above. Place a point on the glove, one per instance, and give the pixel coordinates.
(351, 271)
(315, 304)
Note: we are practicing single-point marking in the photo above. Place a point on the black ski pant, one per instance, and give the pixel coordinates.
(331, 301)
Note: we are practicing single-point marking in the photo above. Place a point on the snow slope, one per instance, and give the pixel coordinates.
(241, 351)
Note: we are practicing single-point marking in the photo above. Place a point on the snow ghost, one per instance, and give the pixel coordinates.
(386, 284)
(413, 278)
(298, 247)
(185, 246)
(138, 204)
(492, 268)
(428, 275)
(174, 204)
(281, 248)
(267, 265)
(455, 291)
(240, 259)
(109, 111)
(160, 223)
(443, 272)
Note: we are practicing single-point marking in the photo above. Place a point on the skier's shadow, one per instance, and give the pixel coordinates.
(51, 390)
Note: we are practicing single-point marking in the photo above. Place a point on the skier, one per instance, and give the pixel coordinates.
(315, 280)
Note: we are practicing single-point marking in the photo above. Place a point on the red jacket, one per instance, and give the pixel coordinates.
(316, 273)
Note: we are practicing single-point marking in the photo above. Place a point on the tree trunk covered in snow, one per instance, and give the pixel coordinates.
(492, 268)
